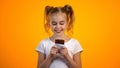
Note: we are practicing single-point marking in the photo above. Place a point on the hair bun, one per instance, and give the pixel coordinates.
(48, 9)
(68, 7)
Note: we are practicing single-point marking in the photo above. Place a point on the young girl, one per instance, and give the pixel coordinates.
(59, 20)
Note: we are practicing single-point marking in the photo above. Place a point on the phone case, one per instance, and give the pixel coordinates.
(59, 43)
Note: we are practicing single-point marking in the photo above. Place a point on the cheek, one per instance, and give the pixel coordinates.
(52, 27)
(63, 28)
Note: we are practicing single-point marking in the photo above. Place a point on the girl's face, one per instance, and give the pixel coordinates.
(58, 22)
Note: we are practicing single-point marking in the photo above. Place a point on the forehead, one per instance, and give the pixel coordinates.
(58, 16)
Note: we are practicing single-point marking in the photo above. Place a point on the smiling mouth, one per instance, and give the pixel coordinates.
(58, 31)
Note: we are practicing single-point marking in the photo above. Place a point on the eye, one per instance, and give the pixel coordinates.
(62, 23)
(54, 23)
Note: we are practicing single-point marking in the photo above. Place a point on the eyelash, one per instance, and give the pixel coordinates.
(61, 23)
(56, 24)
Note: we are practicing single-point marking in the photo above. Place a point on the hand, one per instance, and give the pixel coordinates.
(53, 51)
(64, 51)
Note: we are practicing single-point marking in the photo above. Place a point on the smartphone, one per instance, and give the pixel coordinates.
(59, 43)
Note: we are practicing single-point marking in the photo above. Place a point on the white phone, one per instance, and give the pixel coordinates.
(59, 43)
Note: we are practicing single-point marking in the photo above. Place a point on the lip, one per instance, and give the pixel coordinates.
(58, 31)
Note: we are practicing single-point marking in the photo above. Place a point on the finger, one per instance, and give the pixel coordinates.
(53, 52)
(54, 47)
(63, 47)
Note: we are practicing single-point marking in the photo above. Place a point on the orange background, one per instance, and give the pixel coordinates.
(97, 27)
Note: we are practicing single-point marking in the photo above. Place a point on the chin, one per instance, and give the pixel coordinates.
(58, 34)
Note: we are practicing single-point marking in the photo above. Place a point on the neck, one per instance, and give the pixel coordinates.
(59, 36)
(63, 36)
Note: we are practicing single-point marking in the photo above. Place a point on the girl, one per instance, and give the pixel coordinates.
(59, 20)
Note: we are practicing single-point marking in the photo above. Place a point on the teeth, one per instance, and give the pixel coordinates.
(58, 31)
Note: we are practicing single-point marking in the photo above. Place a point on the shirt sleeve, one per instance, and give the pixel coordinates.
(78, 47)
(40, 47)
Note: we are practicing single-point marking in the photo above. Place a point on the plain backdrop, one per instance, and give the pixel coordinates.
(97, 27)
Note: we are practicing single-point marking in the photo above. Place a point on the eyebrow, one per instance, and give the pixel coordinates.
(62, 21)
(55, 21)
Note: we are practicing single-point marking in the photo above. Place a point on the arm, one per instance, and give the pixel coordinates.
(75, 62)
(45, 62)
(42, 62)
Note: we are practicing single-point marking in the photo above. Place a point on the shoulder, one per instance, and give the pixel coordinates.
(42, 45)
(77, 46)
(46, 42)
(76, 43)
(73, 40)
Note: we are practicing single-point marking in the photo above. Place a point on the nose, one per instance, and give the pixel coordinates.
(57, 26)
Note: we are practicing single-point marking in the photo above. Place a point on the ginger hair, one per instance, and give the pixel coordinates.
(67, 9)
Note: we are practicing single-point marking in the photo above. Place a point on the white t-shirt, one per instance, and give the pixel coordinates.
(73, 47)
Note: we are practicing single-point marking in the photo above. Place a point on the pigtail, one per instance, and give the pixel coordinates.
(46, 19)
(70, 16)
(48, 9)
(70, 12)
(67, 9)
